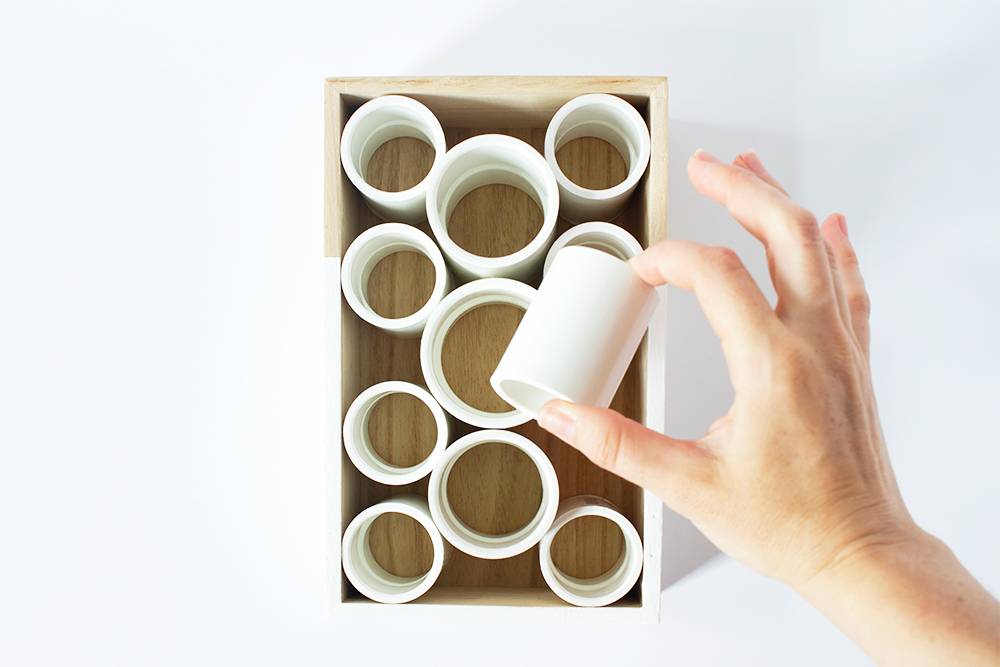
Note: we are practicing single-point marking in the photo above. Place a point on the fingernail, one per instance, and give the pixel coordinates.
(704, 156)
(558, 420)
(842, 224)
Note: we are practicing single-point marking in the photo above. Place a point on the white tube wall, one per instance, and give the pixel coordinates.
(374, 123)
(491, 159)
(605, 588)
(579, 335)
(615, 121)
(358, 443)
(370, 578)
(482, 545)
(372, 246)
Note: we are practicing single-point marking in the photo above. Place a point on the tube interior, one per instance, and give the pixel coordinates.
(362, 435)
(601, 585)
(527, 396)
(487, 166)
(374, 252)
(605, 122)
(480, 539)
(374, 575)
(458, 310)
(382, 125)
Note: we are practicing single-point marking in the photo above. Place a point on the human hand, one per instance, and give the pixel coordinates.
(795, 477)
(795, 480)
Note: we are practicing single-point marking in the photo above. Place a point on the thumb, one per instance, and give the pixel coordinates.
(670, 468)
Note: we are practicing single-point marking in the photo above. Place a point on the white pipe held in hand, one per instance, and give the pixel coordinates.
(579, 334)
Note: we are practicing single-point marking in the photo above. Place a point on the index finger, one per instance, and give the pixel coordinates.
(735, 307)
(788, 231)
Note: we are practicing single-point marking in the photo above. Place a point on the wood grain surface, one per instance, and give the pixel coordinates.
(400, 267)
(494, 490)
(587, 547)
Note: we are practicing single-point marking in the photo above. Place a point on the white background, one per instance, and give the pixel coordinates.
(161, 393)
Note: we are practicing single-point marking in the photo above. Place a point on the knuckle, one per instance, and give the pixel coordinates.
(802, 224)
(860, 303)
(607, 450)
(848, 258)
(725, 260)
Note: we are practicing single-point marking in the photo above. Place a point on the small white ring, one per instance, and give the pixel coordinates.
(605, 588)
(374, 123)
(605, 117)
(372, 246)
(605, 236)
(481, 545)
(358, 442)
(370, 578)
(491, 159)
(462, 300)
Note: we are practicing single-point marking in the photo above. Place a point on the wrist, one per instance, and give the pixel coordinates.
(871, 555)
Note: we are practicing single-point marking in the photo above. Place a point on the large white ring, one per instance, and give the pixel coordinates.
(371, 247)
(358, 442)
(466, 298)
(380, 120)
(491, 159)
(481, 545)
(370, 578)
(605, 117)
(603, 589)
(604, 236)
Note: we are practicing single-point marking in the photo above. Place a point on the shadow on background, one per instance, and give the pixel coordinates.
(698, 388)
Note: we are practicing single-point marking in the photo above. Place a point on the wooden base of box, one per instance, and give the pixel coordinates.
(361, 355)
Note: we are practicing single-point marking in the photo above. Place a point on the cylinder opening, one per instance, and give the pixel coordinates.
(380, 126)
(503, 509)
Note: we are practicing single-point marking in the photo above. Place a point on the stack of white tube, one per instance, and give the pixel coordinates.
(581, 327)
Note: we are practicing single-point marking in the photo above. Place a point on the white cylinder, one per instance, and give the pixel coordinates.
(372, 246)
(380, 120)
(370, 578)
(464, 299)
(491, 159)
(358, 442)
(615, 121)
(473, 542)
(579, 335)
(605, 236)
(605, 588)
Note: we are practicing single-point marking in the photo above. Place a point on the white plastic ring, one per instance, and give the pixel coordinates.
(380, 120)
(371, 247)
(615, 121)
(370, 578)
(605, 236)
(603, 589)
(487, 160)
(462, 300)
(481, 545)
(358, 442)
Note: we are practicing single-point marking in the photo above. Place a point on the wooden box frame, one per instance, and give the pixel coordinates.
(514, 105)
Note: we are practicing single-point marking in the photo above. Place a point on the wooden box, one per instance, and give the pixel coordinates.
(360, 355)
